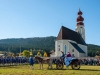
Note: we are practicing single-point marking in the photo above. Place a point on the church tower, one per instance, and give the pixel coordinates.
(80, 25)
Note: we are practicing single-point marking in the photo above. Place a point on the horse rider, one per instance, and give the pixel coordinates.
(31, 62)
(63, 56)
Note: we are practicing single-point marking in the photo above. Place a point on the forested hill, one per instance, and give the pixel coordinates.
(37, 43)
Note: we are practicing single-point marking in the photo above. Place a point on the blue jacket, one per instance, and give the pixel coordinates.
(63, 55)
(31, 61)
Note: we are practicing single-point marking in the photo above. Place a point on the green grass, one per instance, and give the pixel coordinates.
(25, 70)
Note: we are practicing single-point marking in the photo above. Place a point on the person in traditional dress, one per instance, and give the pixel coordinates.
(62, 56)
(31, 62)
(67, 59)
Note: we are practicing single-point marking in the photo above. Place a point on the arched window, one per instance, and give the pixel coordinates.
(73, 55)
(65, 49)
(58, 47)
(72, 50)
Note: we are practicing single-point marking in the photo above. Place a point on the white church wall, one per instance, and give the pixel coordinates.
(84, 48)
(81, 54)
(68, 46)
(58, 47)
(73, 51)
(55, 48)
(65, 43)
(62, 44)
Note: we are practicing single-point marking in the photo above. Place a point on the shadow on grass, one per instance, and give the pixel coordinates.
(56, 69)
(89, 70)
(10, 66)
(78, 70)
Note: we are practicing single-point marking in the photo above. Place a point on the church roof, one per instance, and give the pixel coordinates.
(77, 47)
(68, 34)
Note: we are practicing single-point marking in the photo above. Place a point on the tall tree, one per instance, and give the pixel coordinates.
(26, 53)
(45, 54)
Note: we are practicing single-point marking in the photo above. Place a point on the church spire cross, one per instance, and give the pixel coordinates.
(79, 8)
(79, 12)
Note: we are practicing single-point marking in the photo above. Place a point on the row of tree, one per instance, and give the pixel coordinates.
(27, 53)
(46, 44)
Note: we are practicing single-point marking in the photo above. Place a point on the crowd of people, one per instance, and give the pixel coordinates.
(90, 61)
(23, 60)
(13, 60)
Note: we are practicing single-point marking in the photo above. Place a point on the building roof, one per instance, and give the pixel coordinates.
(77, 47)
(68, 34)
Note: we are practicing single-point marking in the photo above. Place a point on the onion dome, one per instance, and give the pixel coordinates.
(80, 18)
(80, 13)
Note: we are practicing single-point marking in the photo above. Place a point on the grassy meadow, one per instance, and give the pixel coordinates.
(25, 70)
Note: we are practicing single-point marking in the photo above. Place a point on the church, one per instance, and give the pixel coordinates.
(72, 41)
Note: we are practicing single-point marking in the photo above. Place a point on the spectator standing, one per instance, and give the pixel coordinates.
(31, 62)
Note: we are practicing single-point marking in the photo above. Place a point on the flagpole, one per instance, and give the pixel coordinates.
(20, 49)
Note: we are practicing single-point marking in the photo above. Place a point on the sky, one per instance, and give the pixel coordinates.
(42, 18)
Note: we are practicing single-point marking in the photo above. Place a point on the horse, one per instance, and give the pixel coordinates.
(42, 60)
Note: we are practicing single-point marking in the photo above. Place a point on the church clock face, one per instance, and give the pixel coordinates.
(81, 27)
